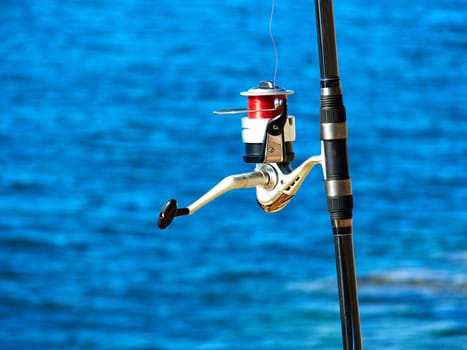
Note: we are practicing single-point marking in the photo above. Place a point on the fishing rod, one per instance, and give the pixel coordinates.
(268, 133)
(337, 182)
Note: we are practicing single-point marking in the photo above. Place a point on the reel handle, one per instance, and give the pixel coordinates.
(168, 212)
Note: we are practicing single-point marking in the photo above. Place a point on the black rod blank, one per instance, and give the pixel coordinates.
(326, 39)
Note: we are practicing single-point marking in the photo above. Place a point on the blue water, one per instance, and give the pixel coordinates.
(105, 113)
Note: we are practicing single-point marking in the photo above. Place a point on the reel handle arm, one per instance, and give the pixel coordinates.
(245, 180)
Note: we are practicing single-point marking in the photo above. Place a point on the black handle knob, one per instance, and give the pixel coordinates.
(168, 212)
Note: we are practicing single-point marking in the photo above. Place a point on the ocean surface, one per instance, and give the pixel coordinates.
(106, 113)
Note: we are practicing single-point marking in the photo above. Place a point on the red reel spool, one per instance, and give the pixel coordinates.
(263, 107)
(265, 103)
(261, 100)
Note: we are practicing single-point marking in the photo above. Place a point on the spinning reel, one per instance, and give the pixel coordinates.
(267, 132)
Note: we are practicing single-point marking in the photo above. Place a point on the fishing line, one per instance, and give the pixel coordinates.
(271, 16)
(263, 106)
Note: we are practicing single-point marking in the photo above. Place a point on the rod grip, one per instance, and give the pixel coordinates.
(334, 140)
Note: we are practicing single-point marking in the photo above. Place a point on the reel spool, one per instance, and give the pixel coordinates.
(267, 131)
(262, 102)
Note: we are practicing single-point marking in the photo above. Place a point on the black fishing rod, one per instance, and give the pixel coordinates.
(337, 183)
(268, 133)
